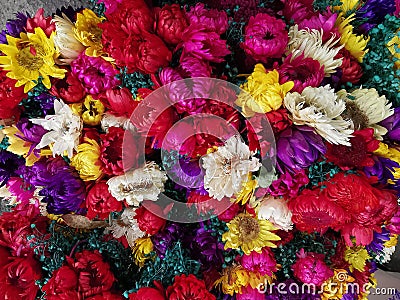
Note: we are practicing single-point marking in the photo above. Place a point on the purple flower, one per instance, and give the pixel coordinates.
(96, 74)
(164, 239)
(374, 12)
(14, 27)
(9, 164)
(379, 239)
(392, 124)
(299, 147)
(31, 133)
(212, 19)
(186, 172)
(383, 169)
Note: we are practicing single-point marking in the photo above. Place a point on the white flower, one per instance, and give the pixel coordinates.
(227, 168)
(320, 108)
(109, 120)
(277, 212)
(371, 109)
(385, 255)
(309, 42)
(64, 129)
(137, 185)
(65, 40)
(126, 226)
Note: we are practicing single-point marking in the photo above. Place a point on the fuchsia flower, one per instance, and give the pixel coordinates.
(248, 293)
(212, 19)
(263, 263)
(298, 10)
(325, 21)
(39, 20)
(265, 37)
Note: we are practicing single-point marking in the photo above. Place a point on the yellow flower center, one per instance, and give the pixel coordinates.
(249, 229)
(29, 57)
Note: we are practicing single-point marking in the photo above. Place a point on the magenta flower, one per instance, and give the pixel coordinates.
(298, 10)
(288, 184)
(303, 71)
(95, 74)
(311, 268)
(203, 44)
(265, 37)
(325, 21)
(263, 263)
(212, 19)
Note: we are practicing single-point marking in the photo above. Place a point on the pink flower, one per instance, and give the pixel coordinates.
(212, 19)
(194, 67)
(111, 5)
(201, 43)
(263, 263)
(311, 268)
(298, 10)
(325, 21)
(248, 293)
(40, 21)
(265, 37)
(394, 223)
(288, 184)
(303, 71)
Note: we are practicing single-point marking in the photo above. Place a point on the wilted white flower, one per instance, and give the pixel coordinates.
(276, 211)
(64, 129)
(366, 109)
(137, 185)
(126, 225)
(65, 40)
(227, 168)
(320, 108)
(309, 43)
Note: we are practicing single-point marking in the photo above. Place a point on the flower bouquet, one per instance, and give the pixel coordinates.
(216, 149)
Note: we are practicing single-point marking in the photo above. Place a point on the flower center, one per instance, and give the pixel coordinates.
(29, 57)
(353, 112)
(249, 229)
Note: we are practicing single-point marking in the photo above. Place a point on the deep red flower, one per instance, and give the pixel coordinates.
(10, 97)
(148, 293)
(114, 157)
(17, 278)
(4, 254)
(315, 212)
(39, 20)
(188, 288)
(68, 89)
(120, 102)
(147, 221)
(106, 296)
(230, 213)
(63, 285)
(170, 23)
(351, 69)
(100, 202)
(279, 120)
(94, 275)
(358, 155)
(296, 11)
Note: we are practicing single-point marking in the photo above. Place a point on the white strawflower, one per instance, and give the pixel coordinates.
(276, 211)
(309, 42)
(65, 40)
(385, 255)
(368, 109)
(110, 120)
(137, 185)
(126, 225)
(320, 108)
(64, 129)
(227, 168)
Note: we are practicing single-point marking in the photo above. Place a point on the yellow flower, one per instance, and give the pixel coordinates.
(88, 32)
(141, 250)
(336, 286)
(392, 154)
(356, 257)
(347, 5)
(247, 192)
(264, 93)
(86, 160)
(249, 234)
(29, 57)
(91, 110)
(394, 47)
(19, 146)
(392, 242)
(355, 44)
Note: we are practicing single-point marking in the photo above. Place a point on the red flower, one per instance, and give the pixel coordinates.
(358, 155)
(10, 97)
(351, 69)
(170, 23)
(106, 296)
(279, 120)
(230, 213)
(63, 285)
(121, 102)
(148, 293)
(17, 279)
(68, 89)
(94, 275)
(188, 287)
(100, 202)
(315, 212)
(4, 254)
(115, 159)
(147, 221)
(40, 21)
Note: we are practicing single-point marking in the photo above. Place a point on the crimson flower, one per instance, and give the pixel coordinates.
(147, 221)
(10, 96)
(68, 89)
(188, 288)
(148, 293)
(39, 20)
(100, 202)
(170, 23)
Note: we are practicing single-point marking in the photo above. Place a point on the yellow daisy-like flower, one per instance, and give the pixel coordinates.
(356, 257)
(249, 234)
(337, 285)
(29, 57)
(264, 93)
(86, 160)
(394, 47)
(141, 250)
(19, 146)
(247, 192)
(355, 44)
(391, 153)
(88, 32)
(347, 5)
(392, 242)
(91, 110)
